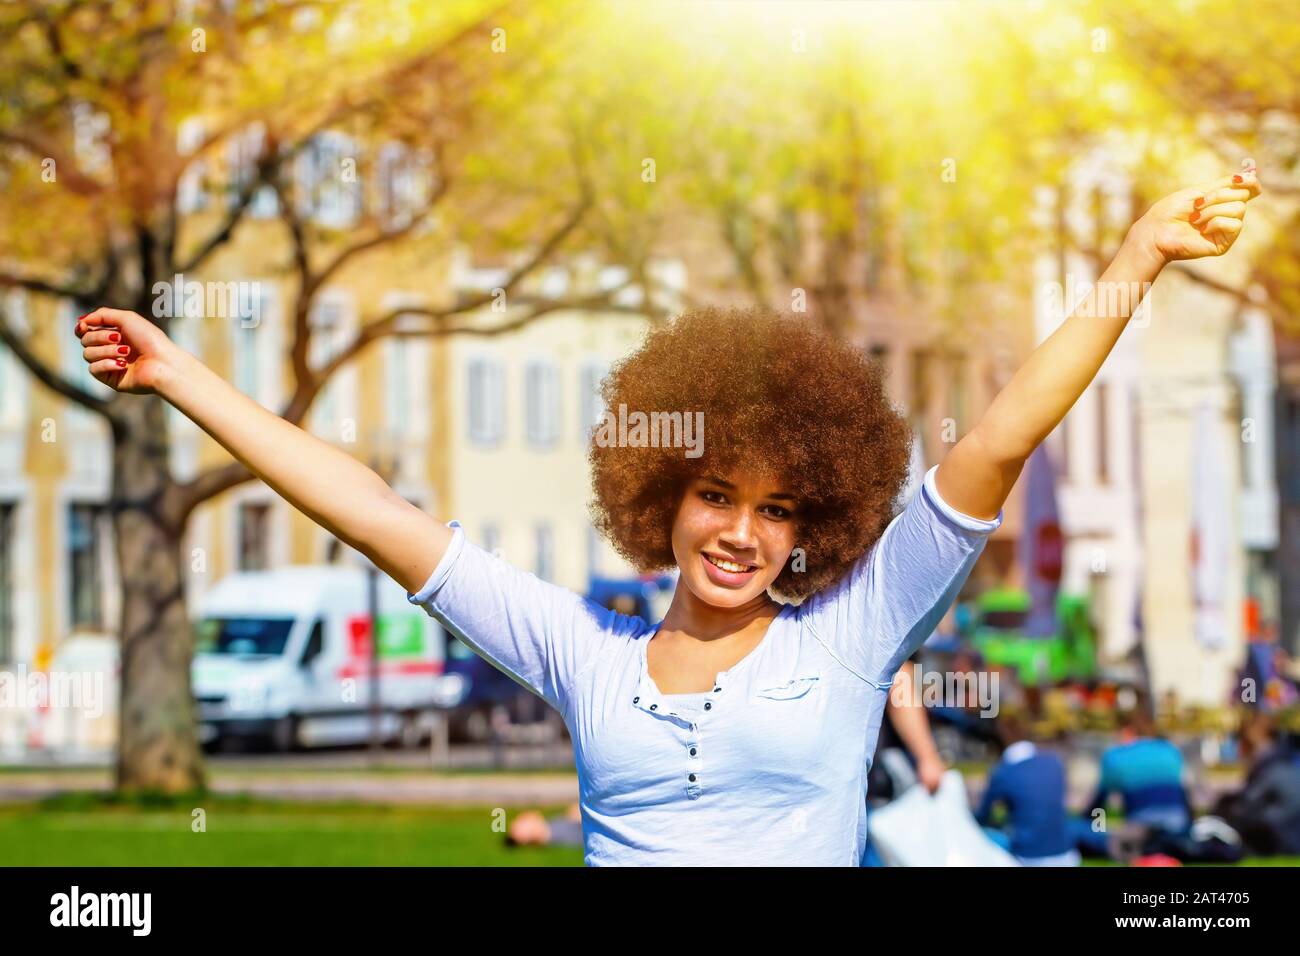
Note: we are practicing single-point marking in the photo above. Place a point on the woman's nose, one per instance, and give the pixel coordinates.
(740, 533)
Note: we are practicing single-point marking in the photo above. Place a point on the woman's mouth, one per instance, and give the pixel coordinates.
(726, 572)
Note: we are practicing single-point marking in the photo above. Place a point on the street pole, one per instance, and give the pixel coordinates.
(372, 598)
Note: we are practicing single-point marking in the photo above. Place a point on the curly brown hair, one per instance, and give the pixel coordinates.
(779, 396)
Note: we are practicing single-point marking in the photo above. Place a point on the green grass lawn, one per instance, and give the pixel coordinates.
(93, 830)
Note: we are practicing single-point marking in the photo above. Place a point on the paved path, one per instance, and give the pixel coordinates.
(512, 789)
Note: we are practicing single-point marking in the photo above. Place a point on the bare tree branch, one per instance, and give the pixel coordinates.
(223, 477)
(47, 376)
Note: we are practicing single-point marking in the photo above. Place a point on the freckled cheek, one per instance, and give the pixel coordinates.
(776, 548)
(692, 532)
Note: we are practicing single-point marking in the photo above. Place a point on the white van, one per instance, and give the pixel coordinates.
(284, 654)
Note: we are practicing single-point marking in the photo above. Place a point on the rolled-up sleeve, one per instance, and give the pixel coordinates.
(891, 599)
(540, 634)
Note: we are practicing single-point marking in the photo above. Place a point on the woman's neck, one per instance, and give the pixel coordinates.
(691, 616)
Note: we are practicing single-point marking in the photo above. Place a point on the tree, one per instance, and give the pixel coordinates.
(96, 169)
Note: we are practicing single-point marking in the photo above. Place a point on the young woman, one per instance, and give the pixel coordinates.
(739, 729)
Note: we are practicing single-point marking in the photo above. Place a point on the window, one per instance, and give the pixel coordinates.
(13, 311)
(329, 335)
(254, 527)
(86, 537)
(247, 365)
(404, 184)
(406, 389)
(591, 406)
(244, 150)
(329, 182)
(1103, 434)
(8, 512)
(315, 642)
(254, 342)
(243, 636)
(545, 541)
(542, 403)
(191, 193)
(486, 402)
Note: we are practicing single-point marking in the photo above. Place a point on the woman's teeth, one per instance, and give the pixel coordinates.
(727, 565)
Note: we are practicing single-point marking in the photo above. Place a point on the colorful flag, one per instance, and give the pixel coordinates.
(1042, 545)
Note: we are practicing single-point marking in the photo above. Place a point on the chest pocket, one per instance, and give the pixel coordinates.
(792, 689)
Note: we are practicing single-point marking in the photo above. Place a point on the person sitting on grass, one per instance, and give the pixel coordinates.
(1029, 782)
(533, 828)
(738, 729)
(1146, 771)
(1266, 811)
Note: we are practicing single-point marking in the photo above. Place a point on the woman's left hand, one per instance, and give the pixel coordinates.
(1199, 221)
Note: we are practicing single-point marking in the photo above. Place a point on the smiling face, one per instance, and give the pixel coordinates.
(732, 537)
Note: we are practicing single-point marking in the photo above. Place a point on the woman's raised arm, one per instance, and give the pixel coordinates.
(977, 475)
(329, 486)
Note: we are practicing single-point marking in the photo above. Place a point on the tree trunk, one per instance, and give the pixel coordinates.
(157, 743)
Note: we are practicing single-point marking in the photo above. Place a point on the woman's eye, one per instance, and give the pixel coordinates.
(778, 512)
(716, 497)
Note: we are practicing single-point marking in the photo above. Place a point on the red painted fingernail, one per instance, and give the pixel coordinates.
(1193, 217)
(123, 349)
(1199, 203)
(121, 363)
(1236, 179)
(114, 336)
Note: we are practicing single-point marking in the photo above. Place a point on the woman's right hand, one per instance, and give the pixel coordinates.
(126, 351)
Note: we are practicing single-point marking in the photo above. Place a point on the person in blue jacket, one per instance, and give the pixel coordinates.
(1030, 783)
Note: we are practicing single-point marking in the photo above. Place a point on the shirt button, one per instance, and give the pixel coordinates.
(636, 700)
(691, 778)
(692, 751)
(708, 705)
(654, 706)
(716, 689)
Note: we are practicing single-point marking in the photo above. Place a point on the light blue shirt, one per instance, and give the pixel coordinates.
(770, 767)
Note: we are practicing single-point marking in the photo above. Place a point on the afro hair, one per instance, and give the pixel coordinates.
(780, 397)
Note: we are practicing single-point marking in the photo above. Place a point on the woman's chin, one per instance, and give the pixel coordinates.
(718, 595)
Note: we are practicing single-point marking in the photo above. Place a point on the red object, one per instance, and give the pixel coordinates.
(1155, 859)
(1049, 552)
(1236, 179)
(359, 636)
(113, 336)
(389, 668)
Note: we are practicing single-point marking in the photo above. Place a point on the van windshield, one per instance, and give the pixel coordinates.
(244, 636)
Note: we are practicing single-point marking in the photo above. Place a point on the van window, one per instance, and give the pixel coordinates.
(244, 636)
(315, 642)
